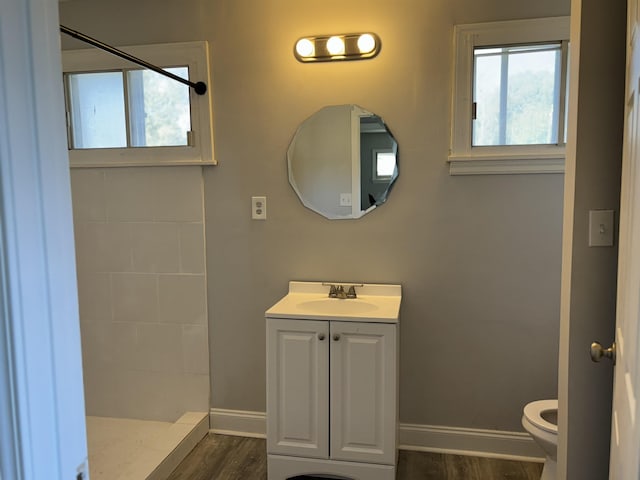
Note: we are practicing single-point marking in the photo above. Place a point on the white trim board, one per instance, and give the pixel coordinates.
(242, 423)
(42, 431)
(427, 438)
(469, 441)
(507, 166)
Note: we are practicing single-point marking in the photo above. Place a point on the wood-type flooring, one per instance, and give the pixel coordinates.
(222, 457)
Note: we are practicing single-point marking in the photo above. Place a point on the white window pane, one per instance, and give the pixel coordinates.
(385, 164)
(159, 108)
(516, 91)
(486, 126)
(532, 106)
(97, 110)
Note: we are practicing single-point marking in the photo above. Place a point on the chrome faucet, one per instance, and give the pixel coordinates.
(337, 291)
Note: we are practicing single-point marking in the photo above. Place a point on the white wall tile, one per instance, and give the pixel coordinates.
(195, 391)
(110, 345)
(155, 247)
(97, 344)
(103, 392)
(160, 396)
(192, 256)
(129, 194)
(124, 344)
(103, 247)
(135, 297)
(94, 296)
(195, 343)
(183, 299)
(139, 232)
(88, 194)
(178, 194)
(145, 395)
(159, 348)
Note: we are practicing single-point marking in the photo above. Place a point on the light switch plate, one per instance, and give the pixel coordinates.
(601, 228)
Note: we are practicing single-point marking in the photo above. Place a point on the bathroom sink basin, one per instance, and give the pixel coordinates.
(310, 301)
(337, 306)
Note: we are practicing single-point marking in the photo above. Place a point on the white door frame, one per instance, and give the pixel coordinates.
(42, 432)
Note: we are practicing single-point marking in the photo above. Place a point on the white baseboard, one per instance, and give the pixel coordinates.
(242, 423)
(427, 438)
(469, 441)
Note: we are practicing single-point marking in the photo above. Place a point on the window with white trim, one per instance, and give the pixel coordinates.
(384, 164)
(119, 114)
(509, 97)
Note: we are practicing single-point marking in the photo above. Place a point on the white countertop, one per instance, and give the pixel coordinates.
(310, 301)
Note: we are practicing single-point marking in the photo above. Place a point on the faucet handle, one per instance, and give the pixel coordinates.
(352, 292)
(340, 293)
(333, 291)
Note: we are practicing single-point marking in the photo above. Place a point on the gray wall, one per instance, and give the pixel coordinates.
(478, 257)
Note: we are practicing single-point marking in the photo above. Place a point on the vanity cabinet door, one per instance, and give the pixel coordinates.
(297, 386)
(363, 392)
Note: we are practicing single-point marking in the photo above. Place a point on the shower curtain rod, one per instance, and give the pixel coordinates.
(199, 87)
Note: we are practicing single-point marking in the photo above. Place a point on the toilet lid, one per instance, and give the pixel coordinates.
(534, 410)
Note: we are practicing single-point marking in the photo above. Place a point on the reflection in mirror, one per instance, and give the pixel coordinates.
(342, 162)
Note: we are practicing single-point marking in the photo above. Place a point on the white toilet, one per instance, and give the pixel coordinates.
(540, 419)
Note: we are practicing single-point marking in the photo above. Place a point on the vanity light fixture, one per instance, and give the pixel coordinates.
(326, 48)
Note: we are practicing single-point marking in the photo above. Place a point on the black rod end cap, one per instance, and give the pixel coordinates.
(200, 88)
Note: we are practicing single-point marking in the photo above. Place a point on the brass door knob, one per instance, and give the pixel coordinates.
(598, 352)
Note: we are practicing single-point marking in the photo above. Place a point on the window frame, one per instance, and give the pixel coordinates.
(194, 55)
(465, 159)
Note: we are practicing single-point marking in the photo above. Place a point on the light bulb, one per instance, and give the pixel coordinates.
(335, 46)
(366, 43)
(305, 47)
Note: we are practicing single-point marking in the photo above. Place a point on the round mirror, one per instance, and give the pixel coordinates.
(342, 162)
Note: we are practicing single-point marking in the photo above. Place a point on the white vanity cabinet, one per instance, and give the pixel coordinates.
(332, 398)
(298, 387)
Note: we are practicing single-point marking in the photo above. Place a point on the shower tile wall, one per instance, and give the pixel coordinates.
(142, 290)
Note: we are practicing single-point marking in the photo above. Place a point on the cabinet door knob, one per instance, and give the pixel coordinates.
(321, 336)
(336, 337)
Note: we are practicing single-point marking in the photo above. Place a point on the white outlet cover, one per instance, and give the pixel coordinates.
(259, 208)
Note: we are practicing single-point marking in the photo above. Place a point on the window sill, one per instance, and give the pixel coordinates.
(505, 164)
(137, 157)
(138, 164)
